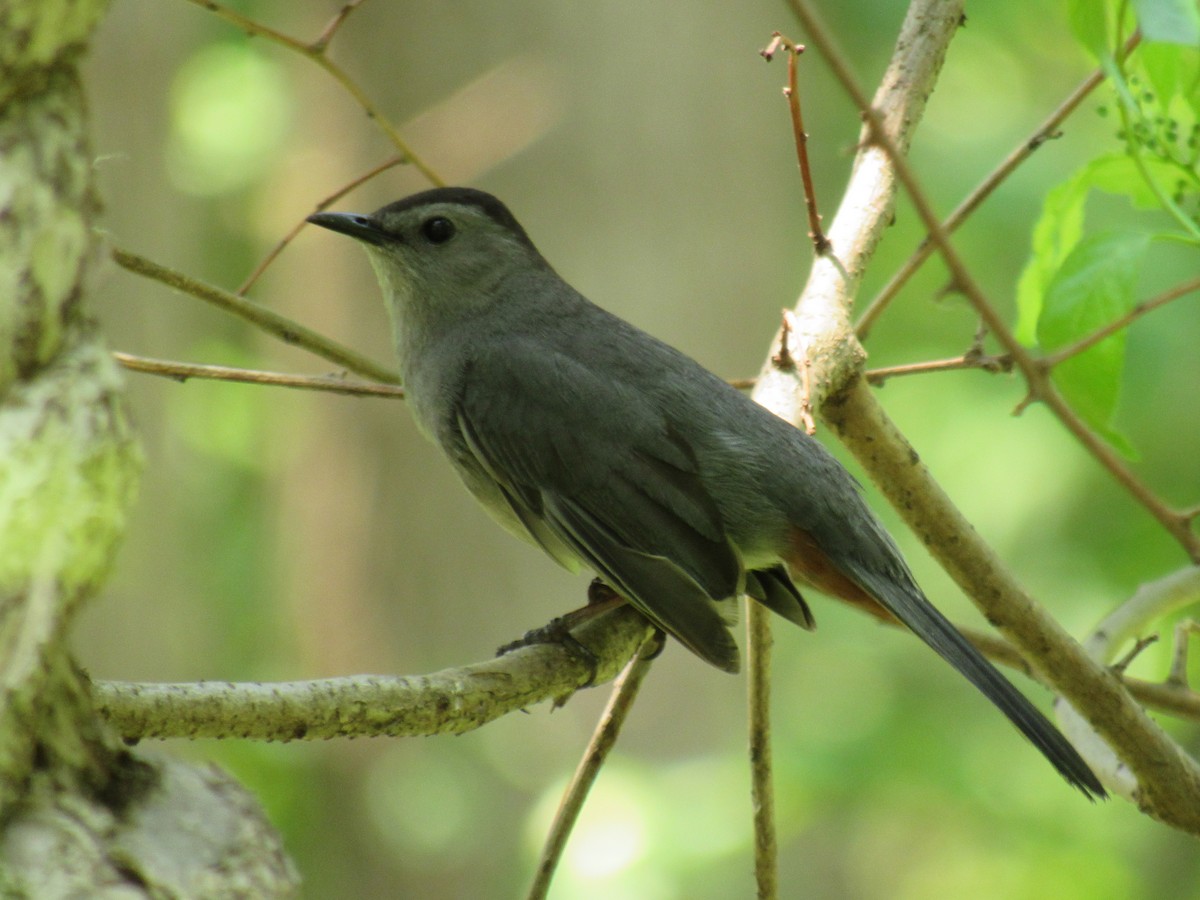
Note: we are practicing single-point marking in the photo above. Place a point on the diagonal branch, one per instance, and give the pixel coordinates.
(625, 691)
(315, 51)
(1180, 290)
(272, 322)
(1044, 132)
(299, 226)
(1170, 786)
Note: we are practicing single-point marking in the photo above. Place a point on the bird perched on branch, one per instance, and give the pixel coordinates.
(609, 449)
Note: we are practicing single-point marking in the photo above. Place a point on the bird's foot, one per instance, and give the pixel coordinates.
(601, 598)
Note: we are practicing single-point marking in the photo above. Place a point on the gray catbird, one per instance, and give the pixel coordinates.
(606, 447)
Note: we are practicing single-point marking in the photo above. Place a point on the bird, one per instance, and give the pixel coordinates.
(611, 450)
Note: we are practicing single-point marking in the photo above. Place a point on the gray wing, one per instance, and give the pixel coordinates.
(599, 467)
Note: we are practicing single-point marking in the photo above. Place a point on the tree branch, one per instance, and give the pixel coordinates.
(315, 51)
(1150, 603)
(1044, 132)
(762, 788)
(282, 327)
(1170, 784)
(608, 729)
(180, 371)
(452, 701)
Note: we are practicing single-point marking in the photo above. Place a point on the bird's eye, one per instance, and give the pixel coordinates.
(438, 230)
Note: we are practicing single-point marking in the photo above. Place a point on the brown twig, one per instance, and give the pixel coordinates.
(620, 702)
(285, 329)
(1045, 131)
(783, 360)
(1168, 787)
(1041, 388)
(315, 51)
(335, 23)
(1001, 363)
(323, 205)
(180, 371)
(1053, 359)
(762, 792)
(1139, 647)
(800, 136)
(1166, 697)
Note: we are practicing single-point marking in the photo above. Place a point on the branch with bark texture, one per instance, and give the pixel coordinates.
(821, 333)
(1169, 782)
(80, 814)
(452, 701)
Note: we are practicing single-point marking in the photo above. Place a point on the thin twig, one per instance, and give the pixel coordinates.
(315, 51)
(784, 361)
(987, 363)
(1053, 359)
(800, 136)
(604, 738)
(762, 792)
(1039, 383)
(282, 327)
(181, 371)
(335, 23)
(1170, 785)
(323, 205)
(1045, 131)
(1176, 700)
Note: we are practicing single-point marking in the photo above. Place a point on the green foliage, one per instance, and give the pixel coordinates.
(286, 535)
(1093, 286)
(1076, 282)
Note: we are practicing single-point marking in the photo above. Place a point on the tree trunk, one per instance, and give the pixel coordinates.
(80, 814)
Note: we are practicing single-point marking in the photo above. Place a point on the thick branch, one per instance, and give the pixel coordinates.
(451, 701)
(1170, 785)
(821, 329)
(1169, 781)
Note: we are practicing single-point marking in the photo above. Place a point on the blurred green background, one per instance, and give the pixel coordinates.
(646, 148)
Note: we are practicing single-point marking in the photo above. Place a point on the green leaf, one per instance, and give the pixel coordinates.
(1054, 235)
(1170, 69)
(1093, 286)
(1173, 73)
(1060, 226)
(1119, 174)
(1169, 21)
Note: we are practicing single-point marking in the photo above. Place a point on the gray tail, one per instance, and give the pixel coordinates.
(911, 608)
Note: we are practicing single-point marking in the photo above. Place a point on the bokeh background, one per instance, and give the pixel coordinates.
(286, 535)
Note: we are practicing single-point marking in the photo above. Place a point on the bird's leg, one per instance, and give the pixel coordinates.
(601, 599)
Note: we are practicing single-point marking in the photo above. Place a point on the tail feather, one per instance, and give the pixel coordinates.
(909, 605)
